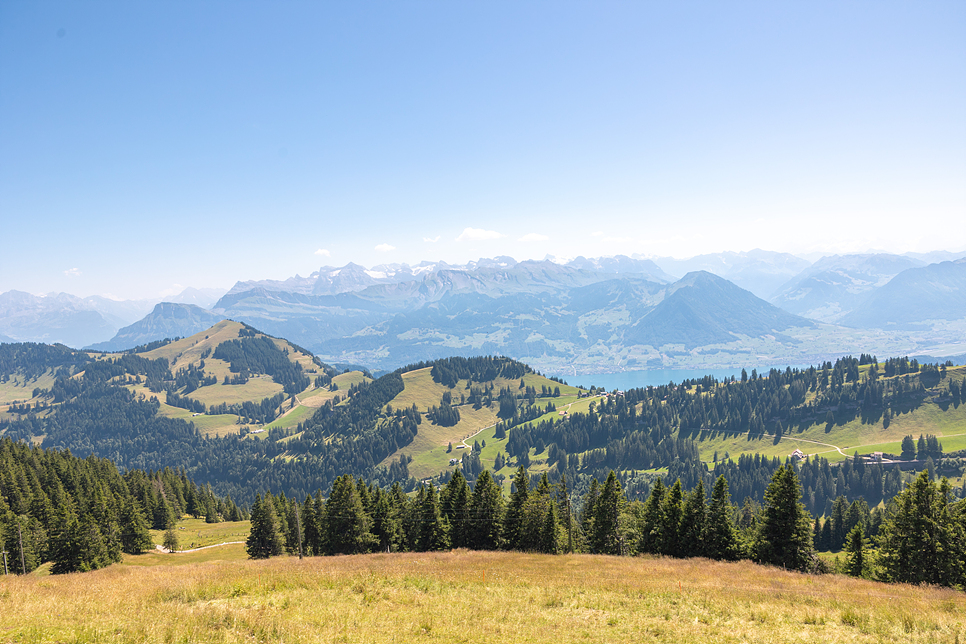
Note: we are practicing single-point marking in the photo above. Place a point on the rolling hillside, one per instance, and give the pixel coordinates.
(247, 412)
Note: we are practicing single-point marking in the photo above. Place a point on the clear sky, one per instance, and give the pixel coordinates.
(147, 146)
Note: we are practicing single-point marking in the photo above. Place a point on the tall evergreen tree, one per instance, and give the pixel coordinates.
(513, 524)
(348, 526)
(839, 529)
(135, 537)
(589, 508)
(652, 520)
(921, 542)
(550, 533)
(606, 537)
(294, 535)
(694, 516)
(825, 541)
(855, 560)
(386, 523)
(720, 536)
(265, 538)
(310, 527)
(670, 542)
(434, 529)
(455, 501)
(486, 514)
(65, 547)
(784, 535)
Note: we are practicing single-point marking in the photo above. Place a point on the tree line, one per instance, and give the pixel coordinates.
(82, 514)
(920, 536)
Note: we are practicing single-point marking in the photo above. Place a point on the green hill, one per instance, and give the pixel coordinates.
(197, 356)
(249, 413)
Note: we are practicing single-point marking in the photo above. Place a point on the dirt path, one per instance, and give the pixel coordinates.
(835, 447)
(477, 433)
(567, 408)
(787, 437)
(217, 545)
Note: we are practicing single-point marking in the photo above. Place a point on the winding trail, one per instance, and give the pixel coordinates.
(786, 437)
(835, 447)
(477, 433)
(217, 545)
(463, 442)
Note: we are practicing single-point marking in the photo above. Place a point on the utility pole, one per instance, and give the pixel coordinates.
(5, 562)
(298, 525)
(617, 528)
(570, 527)
(23, 566)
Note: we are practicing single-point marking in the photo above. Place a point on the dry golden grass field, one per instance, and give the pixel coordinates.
(463, 596)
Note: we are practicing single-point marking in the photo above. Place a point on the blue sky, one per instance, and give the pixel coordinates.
(153, 145)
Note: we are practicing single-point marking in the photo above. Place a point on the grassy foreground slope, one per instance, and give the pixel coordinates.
(464, 596)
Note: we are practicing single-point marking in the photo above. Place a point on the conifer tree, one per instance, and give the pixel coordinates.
(855, 562)
(550, 533)
(839, 529)
(693, 522)
(294, 536)
(670, 542)
(513, 524)
(652, 520)
(589, 508)
(310, 527)
(721, 539)
(784, 536)
(18, 532)
(606, 535)
(386, 524)
(170, 541)
(921, 542)
(265, 538)
(455, 501)
(65, 548)
(135, 537)
(486, 514)
(94, 552)
(825, 542)
(434, 529)
(348, 526)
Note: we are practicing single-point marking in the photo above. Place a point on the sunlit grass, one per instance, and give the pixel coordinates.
(465, 596)
(195, 533)
(949, 425)
(20, 389)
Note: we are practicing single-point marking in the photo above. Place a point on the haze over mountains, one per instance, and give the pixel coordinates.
(79, 322)
(581, 314)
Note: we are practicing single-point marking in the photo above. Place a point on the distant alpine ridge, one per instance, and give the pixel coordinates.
(581, 314)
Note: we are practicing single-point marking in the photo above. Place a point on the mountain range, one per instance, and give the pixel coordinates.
(587, 314)
(79, 322)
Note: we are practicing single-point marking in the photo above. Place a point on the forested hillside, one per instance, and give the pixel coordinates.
(81, 514)
(159, 407)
